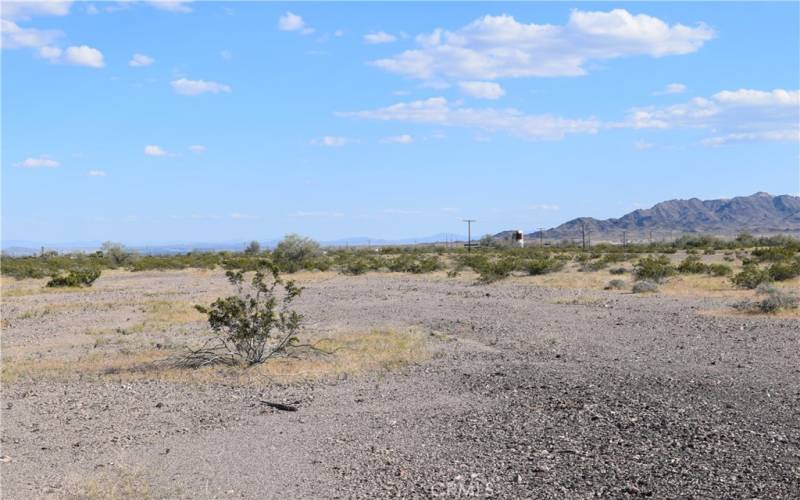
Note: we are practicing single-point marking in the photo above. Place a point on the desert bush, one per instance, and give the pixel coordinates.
(253, 248)
(645, 286)
(773, 300)
(751, 276)
(782, 271)
(254, 325)
(653, 268)
(498, 269)
(615, 285)
(116, 254)
(692, 264)
(539, 266)
(75, 279)
(294, 252)
(414, 264)
(773, 254)
(618, 270)
(719, 270)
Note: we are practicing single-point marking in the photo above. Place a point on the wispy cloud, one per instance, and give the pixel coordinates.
(379, 37)
(153, 150)
(331, 141)
(96, 173)
(240, 216)
(40, 162)
(398, 139)
(672, 88)
(188, 87)
(318, 214)
(482, 90)
(180, 6)
(140, 60)
(197, 148)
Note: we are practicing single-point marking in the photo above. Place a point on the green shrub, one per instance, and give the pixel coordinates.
(116, 254)
(751, 276)
(618, 270)
(719, 270)
(615, 285)
(253, 325)
(653, 268)
(692, 264)
(295, 252)
(546, 265)
(75, 279)
(782, 271)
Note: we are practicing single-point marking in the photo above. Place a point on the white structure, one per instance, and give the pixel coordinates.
(518, 238)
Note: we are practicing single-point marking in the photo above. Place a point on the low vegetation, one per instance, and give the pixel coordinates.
(254, 325)
(770, 300)
(78, 278)
(748, 261)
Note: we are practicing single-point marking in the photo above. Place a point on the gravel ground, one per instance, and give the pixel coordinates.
(534, 392)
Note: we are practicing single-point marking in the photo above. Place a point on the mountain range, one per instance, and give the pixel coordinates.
(760, 214)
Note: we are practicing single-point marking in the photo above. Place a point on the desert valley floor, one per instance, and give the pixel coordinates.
(437, 387)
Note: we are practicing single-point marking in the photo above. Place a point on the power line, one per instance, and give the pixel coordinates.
(469, 233)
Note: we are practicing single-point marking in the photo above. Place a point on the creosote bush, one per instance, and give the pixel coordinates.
(254, 325)
(75, 279)
(774, 300)
(654, 269)
(615, 285)
(751, 276)
(296, 252)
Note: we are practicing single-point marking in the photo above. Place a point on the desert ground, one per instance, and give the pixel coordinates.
(534, 387)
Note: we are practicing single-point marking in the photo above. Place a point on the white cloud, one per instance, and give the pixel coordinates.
(438, 111)
(238, 216)
(546, 207)
(482, 90)
(293, 22)
(672, 88)
(139, 60)
(379, 37)
(338, 33)
(331, 141)
(320, 214)
(398, 139)
(642, 145)
(226, 54)
(83, 56)
(39, 162)
(743, 115)
(153, 150)
(180, 6)
(197, 148)
(184, 86)
(495, 47)
(28, 9)
(14, 36)
(52, 54)
(96, 173)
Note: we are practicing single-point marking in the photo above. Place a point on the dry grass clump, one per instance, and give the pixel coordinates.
(351, 353)
(115, 483)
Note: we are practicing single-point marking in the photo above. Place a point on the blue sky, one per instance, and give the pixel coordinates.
(149, 122)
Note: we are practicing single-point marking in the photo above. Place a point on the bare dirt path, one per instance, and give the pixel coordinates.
(531, 392)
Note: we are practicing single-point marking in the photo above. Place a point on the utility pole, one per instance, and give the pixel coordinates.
(583, 235)
(469, 233)
(624, 239)
(651, 236)
(541, 237)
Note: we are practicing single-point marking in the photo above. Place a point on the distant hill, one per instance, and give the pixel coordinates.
(760, 214)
